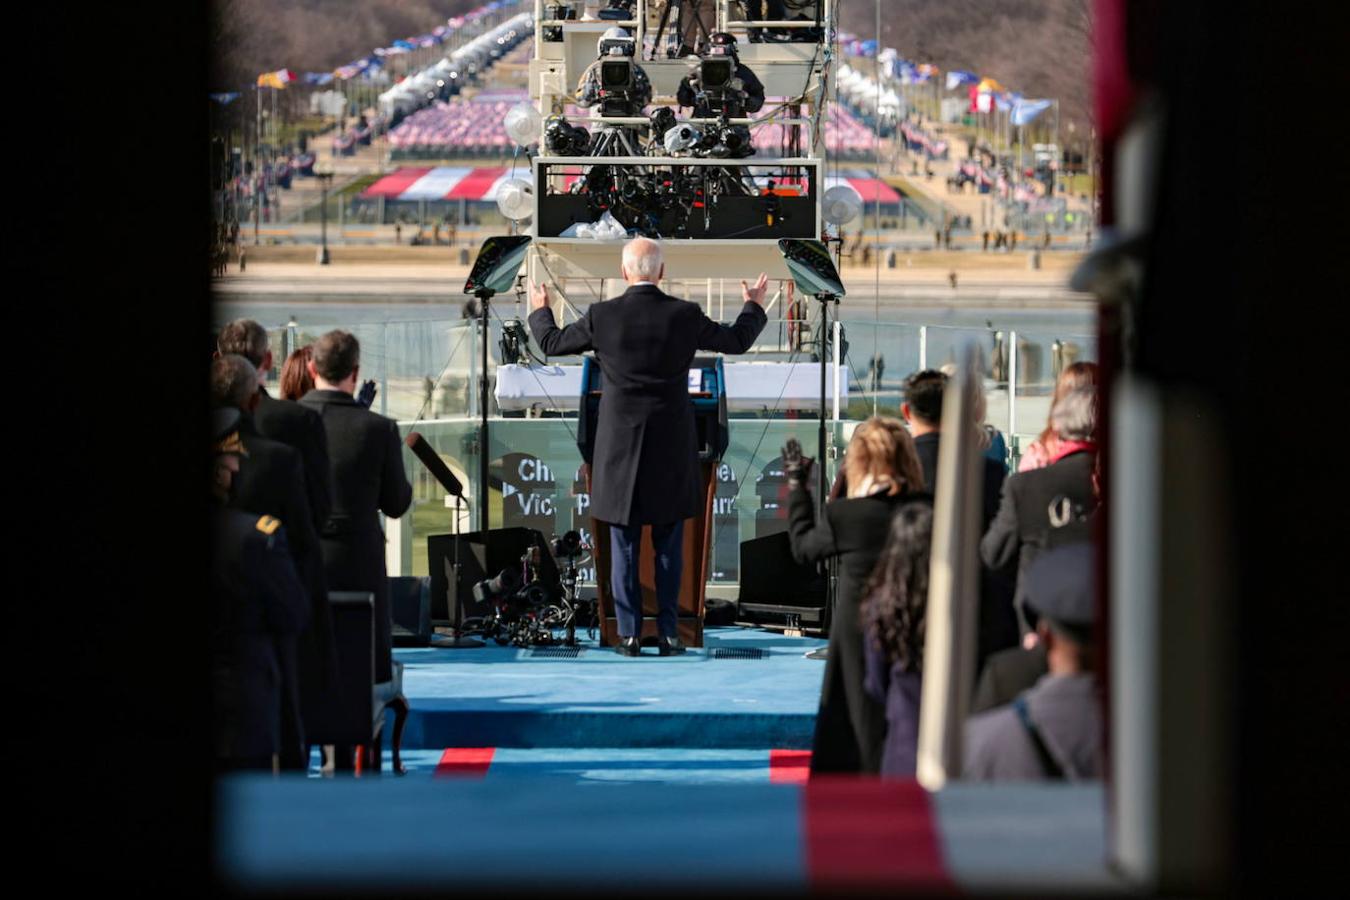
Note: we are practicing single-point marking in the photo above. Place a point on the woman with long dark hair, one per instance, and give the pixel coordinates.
(881, 470)
(894, 612)
(296, 381)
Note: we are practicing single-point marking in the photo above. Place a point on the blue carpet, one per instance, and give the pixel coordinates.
(602, 765)
(397, 833)
(507, 697)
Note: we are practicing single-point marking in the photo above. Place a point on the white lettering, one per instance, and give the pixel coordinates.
(531, 469)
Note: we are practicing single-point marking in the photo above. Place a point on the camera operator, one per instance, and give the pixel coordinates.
(596, 88)
(743, 93)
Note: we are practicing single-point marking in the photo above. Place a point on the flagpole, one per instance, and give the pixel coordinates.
(257, 166)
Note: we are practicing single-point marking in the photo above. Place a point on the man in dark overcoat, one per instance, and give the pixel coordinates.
(366, 461)
(645, 467)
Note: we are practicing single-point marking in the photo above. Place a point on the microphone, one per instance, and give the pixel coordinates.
(435, 465)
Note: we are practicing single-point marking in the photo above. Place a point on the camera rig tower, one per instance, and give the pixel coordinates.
(729, 237)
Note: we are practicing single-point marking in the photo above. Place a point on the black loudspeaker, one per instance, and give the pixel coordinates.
(776, 588)
(477, 560)
(410, 606)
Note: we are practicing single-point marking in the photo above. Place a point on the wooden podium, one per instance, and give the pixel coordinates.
(710, 412)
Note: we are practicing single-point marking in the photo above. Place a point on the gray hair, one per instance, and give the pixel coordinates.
(234, 381)
(642, 259)
(1074, 417)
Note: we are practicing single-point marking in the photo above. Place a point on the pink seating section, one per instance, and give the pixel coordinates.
(474, 128)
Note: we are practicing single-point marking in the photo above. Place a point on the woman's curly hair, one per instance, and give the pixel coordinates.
(896, 599)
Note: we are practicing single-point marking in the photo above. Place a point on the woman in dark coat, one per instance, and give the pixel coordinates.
(894, 611)
(881, 470)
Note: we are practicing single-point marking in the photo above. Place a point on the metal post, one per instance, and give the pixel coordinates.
(257, 168)
(838, 328)
(820, 347)
(1012, 382)
(484, 299)
(923, 347)
(323, 219)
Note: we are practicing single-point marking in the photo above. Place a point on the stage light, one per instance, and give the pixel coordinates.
(515, 199)
(522, 123)
(841, 205)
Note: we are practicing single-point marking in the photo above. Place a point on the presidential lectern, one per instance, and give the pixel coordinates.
(707, 391)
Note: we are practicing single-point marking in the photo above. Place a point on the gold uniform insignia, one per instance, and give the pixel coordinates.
(268, 525)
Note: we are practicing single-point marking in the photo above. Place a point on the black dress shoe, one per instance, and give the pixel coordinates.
(629, 646)
(669, 646)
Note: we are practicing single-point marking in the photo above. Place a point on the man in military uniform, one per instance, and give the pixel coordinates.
(257, 597)
(1052, 731)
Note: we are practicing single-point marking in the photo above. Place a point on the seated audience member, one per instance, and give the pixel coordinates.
(921, 407)
(882, 471)
(296, 381)
(1020, 529)
(366, 459)
(893, 616)
(1054, 730)
(257, 598)
(1040, 452)
(271, 482)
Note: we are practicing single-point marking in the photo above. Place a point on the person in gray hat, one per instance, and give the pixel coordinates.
(1053, 731)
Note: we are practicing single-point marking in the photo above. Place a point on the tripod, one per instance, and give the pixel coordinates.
(614, 140)
(688, 19)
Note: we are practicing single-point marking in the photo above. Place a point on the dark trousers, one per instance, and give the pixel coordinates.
(668, 542)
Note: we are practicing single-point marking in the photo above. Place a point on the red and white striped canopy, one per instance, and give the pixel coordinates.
(444, 183)
(482, 183)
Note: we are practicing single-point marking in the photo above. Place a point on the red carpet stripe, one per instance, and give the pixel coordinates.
(789, 766)
(464, 762)
(863, 832)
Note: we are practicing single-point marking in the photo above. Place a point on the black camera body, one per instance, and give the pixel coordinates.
(557, 11)
(568, 546)
(616, 74)
(715, 73)
(565, 139)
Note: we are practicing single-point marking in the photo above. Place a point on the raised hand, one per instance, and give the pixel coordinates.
(755, 294)
(538, 297)
(796, 466)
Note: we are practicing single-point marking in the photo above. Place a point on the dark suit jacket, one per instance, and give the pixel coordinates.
(998, 622)
(271, 482)
(1021, 528)
(850, 725)
(298, 427)
(926, 445)
(645, 468)
(366, 464)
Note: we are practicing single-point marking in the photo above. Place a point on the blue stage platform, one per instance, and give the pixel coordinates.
(507, 697)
